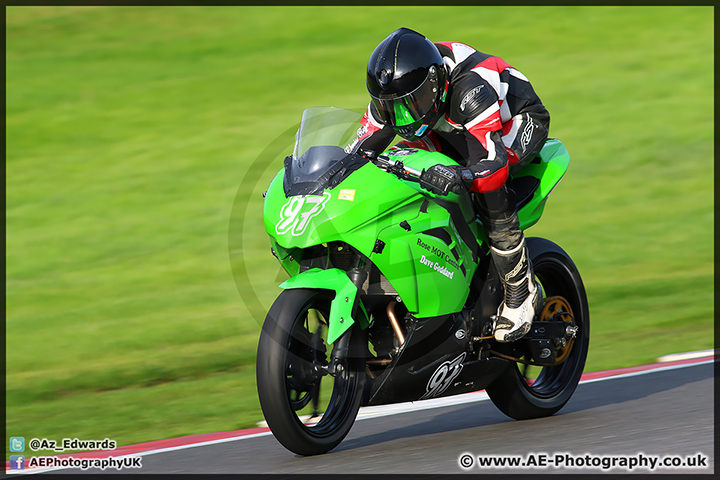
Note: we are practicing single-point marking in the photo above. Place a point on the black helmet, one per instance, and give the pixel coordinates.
(406, 80)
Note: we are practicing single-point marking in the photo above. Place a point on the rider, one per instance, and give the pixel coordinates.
(482, 113)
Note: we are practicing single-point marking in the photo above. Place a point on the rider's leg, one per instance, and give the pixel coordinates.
(509, 253)
(523, 137)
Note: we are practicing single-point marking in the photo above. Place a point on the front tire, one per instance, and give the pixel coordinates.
(514, 393)
(292, 386)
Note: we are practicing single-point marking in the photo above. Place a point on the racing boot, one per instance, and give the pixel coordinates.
(523, 296)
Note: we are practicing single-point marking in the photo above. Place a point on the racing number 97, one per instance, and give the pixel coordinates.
(295, 215)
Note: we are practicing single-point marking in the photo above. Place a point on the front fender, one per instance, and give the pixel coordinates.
(341, 307)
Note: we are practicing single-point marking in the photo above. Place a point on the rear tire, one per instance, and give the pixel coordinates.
(512, 393)
(292, 344)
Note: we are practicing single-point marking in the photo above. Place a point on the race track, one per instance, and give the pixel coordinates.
(663, 412)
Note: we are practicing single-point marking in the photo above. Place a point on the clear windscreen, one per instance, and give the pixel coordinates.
(325, 126)
(320, 160)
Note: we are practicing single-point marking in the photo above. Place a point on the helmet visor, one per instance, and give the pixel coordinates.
(409, 108)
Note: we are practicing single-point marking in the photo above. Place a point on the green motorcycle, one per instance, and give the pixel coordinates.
(392, 291)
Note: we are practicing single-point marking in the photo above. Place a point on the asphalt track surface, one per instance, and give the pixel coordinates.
(662, 411)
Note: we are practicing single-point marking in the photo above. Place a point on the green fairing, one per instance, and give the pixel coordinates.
(554, 162)
(370, 205)
(341, 306)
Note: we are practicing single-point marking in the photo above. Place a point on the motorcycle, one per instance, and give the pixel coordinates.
(392, 291)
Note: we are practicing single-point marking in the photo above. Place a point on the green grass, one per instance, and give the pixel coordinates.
(132, 140)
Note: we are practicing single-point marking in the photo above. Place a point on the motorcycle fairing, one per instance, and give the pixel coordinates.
(548, 169)
(429, 244)
(341, 307)
(417, 373)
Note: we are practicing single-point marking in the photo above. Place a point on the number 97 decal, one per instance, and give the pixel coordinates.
(297, 212)
(443, 377)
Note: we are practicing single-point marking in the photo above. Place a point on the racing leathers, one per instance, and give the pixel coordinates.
(494, 124)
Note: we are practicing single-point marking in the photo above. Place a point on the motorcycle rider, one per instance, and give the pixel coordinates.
(482, 113)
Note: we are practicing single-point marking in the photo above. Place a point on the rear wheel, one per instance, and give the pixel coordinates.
(523, 393)
(308, 410)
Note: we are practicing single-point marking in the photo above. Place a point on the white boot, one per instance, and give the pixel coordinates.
(522, 293)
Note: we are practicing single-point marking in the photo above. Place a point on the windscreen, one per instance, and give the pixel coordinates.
(319, 160)
(323, 126)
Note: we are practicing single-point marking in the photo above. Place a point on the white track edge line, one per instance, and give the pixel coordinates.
(409, 407)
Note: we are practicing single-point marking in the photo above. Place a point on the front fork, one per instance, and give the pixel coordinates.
(338, 356)
(341, 347)
(345, 308)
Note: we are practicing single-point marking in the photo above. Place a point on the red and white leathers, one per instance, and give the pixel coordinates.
(493, 121)
(493, 118)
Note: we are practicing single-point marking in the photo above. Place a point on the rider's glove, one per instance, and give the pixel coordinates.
(447, 178)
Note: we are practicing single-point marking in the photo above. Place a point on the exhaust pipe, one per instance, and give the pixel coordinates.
(394, 322)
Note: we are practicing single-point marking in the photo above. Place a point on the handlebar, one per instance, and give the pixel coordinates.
(404, 172)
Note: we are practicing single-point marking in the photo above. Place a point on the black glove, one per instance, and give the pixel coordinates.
(447, 178)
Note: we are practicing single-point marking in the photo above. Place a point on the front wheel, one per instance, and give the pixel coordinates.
(308, 409)
(516, 393)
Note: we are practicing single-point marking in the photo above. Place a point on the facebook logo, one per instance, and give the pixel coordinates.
(17, 462)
